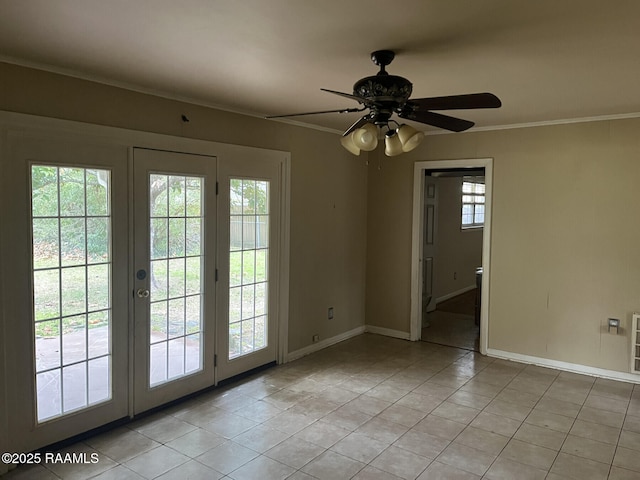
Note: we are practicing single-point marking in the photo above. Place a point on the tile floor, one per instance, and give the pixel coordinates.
(451, 329)
(452, 323)
(379, 408)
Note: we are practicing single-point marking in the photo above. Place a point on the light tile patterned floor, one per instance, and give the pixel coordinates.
(379, 408)
(452, 330)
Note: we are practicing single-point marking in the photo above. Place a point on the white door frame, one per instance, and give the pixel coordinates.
(59, 129)
(417, 234)
(429, 250)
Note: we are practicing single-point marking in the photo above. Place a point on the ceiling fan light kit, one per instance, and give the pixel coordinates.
(385, 95)
(409, 137)
(392, 144)
(403, 139)
(348, 143)
(366, 137)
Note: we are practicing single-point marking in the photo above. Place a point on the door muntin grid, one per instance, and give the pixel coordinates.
(71, 274)
(248, 266)
(176, 226)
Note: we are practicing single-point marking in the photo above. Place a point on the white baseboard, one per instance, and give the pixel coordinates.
(565, 366)
(387, 332)
(327, 342)
(455, 294)
(491, 352)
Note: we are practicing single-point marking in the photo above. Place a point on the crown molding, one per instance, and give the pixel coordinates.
(544, 123)
(297, 123)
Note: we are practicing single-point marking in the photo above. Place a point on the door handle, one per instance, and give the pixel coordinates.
(142, 293)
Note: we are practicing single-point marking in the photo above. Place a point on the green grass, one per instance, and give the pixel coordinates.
(245, 267)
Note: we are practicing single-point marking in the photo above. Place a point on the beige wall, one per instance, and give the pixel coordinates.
(389, 215)
(328, 185)
(459, 251)
(564, 253)
(565, 229)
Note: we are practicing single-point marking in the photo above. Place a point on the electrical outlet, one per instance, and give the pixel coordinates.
(330, 313)
(455, 275)
(316, 338)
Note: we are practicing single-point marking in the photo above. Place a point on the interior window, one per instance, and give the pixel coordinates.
(472, 202)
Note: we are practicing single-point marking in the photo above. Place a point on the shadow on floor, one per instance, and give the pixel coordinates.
(452, 323)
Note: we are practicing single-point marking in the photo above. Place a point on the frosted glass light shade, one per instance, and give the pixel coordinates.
(347, 143)
(366, 138)
(392, 144)
(409, 137)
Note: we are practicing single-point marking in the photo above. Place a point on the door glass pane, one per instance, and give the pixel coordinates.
(248, 260)
(176, 246)
(71, 232)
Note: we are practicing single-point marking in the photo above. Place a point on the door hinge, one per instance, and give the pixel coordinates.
(217, 188)
(215, 360)
(216, 274)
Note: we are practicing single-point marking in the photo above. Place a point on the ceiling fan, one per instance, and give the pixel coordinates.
(384, 95)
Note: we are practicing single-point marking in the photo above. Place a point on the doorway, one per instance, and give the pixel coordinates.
(457, 299)
(454, 219)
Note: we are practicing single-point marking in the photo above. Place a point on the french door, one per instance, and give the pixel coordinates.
(66, 339)
(174, 278)
(206, 280)
(131, 274)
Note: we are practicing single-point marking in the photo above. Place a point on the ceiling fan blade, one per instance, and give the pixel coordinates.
(438, 120)
(347, 95)
(342, 110)
(458, 102)
(357, 125)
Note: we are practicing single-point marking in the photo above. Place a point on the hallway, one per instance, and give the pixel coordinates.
(452, 323)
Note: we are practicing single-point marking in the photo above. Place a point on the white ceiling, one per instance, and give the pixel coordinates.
(548, 60)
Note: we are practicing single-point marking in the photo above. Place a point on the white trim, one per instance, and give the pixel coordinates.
(70, 129)
(283, 271)
(131, 285)
(635, 330)
(118, 84)
(387, 332)
(156, 93)
(415, 328)
(4, 424)
(544, 123)
(297, 123)
(327, 342)
(455, 294)
(416, 242)
(199, 102)
(565, 366)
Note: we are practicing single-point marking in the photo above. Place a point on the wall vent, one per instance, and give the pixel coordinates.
(635, 343)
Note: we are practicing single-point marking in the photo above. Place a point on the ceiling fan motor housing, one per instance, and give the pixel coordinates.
(383, 94)
(383, 88)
